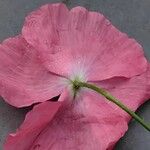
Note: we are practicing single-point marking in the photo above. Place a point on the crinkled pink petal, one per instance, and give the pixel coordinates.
(23, 78)
(80, 42)
(88, 123)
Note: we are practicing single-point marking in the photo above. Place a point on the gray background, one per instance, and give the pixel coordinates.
(130, 16)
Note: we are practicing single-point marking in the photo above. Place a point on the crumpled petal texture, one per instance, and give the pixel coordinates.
(23, 79)
(90, 122)
(80, 42)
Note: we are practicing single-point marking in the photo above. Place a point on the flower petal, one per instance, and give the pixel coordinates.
(132, 92)
(89, 123)
(23, 78)
(35, 121)
(78, 42)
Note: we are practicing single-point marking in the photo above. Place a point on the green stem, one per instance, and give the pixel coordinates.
(114, 100)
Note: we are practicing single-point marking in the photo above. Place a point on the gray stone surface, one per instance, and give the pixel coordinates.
(130, 16)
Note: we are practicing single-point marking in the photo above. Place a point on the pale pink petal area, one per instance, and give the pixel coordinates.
(23, 78)
(132, 92)
(82, 43)
(35, 121)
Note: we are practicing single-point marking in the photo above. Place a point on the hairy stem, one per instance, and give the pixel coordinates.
(111, 98)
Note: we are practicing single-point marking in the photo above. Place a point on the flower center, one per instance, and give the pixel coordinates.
(75, 87)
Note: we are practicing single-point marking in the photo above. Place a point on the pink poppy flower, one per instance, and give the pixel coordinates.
(56, 46)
